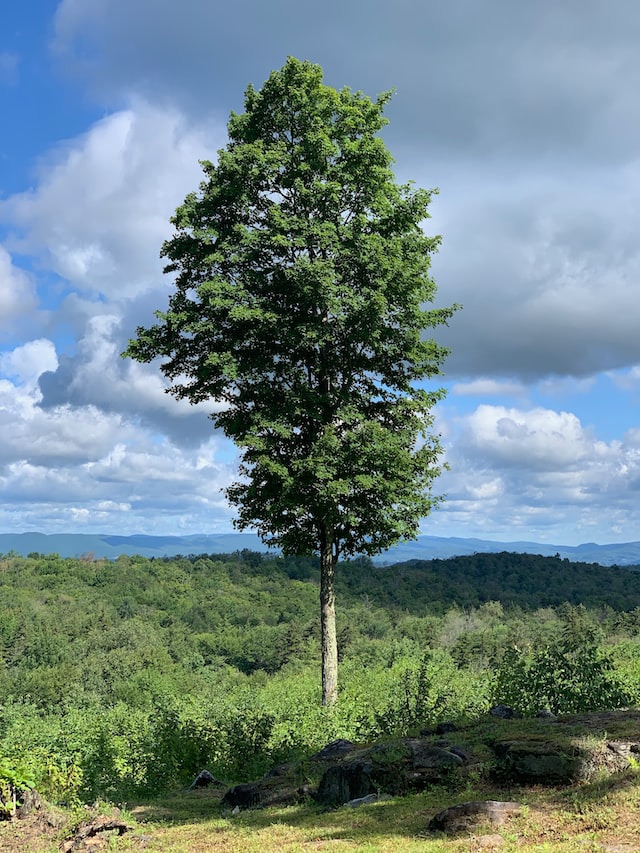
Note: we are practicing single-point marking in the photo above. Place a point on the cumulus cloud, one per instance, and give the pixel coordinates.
(97, 376)
(59, 437)
(537, 439)
(487, 387)
(544, 262)
(151, 488)
(628, 380)
(538, 474)
(80, 464)
(17, 292)
(527, 118)
(28, 362)
(101, 206)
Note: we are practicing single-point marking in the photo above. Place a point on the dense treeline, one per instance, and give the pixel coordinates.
(129, 676)
(523, 580)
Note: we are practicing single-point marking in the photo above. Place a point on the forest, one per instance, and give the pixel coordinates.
(125, 678)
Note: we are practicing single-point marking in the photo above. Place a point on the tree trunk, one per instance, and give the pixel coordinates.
(328, 621)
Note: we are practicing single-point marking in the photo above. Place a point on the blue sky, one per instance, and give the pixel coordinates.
(525, 116)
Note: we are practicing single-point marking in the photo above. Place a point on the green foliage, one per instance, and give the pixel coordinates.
(37, 745)
(301, 278)
(572, 675)
(428, 691)
(140, 672)
(14, 781)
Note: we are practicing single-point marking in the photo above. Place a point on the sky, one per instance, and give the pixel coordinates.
(525, 116)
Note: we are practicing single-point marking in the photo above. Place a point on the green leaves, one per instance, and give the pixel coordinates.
(302, 277)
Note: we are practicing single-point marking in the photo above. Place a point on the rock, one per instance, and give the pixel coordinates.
(545, 762)
(268, 791)
(344, 782)
(426, 756)
(624, 748)
(362, 801)
(467, 816)
(204, 779)
(394, 767)
(537, 761)
(244, 796)
(546, 714)
(31, 802)
(87, 832)
(460, 752)
(336, 749)
(505, 712)
(488, 842)
(343, 772)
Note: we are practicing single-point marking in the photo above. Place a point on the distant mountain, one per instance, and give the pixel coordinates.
(424, 548)
(78, 544)
(437, 547)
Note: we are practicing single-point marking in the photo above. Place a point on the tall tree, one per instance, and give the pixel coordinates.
(301, 272)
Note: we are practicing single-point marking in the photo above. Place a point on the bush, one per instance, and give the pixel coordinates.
(571, 676)
(427, 692)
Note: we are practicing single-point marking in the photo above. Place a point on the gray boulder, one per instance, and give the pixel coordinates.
(465, 817)
(351, 780)
(394, 767)
(336, 749)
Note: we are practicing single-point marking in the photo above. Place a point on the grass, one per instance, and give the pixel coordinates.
(583, 818)
(555, 820)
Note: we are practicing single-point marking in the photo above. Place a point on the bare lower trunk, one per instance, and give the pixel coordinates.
(328, 622)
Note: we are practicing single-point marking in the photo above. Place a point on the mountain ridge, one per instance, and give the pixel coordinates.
(423, 548)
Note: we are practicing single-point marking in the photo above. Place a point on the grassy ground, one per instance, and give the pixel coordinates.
(599, 816)
(578, 818)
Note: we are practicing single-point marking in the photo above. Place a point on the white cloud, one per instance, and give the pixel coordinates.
(560, 386)
(537, 439)
(28, 362)
(137, 485)
(537, 474)
(78, 464)
(100, 209)
(97, 376)
(547, 269)
(628, 380)
(17, 292)
(502, 80)
(526, 117)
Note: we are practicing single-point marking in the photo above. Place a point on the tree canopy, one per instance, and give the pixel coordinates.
(301, 279)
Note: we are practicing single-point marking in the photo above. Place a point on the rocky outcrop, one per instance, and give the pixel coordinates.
(550, 762)
(350, 780)
(204, 779)
(344, 772)
(544, 751)
(466, 817)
